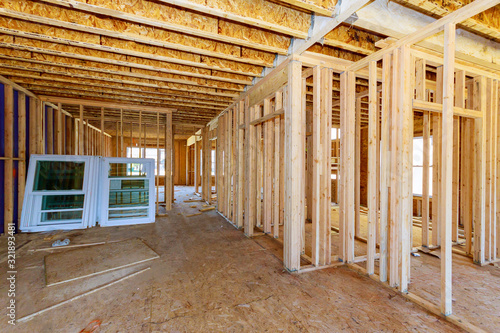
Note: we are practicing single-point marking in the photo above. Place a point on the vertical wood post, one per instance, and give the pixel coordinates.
(21, 139)
(8, 212)
(101, 136)
(446, 194)
(372, 167)
(240, 171)
(80, 132)
(385, 164)
(158, 156)
(32, 125)
(406, 170)
(294, 167)
(50, 130)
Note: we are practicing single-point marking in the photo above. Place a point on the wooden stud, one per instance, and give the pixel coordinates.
(101, 136)
(140, 134)
(479, 171)
(384, 164)
(250, 171)
(347, 202)
(326, 178)
(8, 212)
(50, 131)
(168, 162)
(158, 156)
(315, 160)
(80, 132)
(122, 147)
(278, 103)
(357, 170)
(33, 126)
(21, 164)
(372, 168)
(406, 167)
(446, 193)
(240, 170)
(294, 167)
(395, 219)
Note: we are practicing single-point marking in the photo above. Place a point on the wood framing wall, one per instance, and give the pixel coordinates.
(274, 158)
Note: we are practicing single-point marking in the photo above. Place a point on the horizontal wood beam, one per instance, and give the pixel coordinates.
(26, 80)
(75, 78)
(88, 102)
(5, 80)
(419, 105)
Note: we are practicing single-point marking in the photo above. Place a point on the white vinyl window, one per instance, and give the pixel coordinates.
(74, 192)
(59, 193)
(128, 191)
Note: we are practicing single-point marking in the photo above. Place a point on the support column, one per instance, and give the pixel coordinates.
(446, 195)
(250, 175)
(21, 139)
(294, 167)
(347, 196)
(479, 101)
(372, 167)
(240, 184)
(9, 154)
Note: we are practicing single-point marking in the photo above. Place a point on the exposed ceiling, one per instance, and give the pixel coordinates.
(194, 56)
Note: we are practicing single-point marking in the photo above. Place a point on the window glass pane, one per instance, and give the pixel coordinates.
(417, 180)
(57, 216)
(127, 213)
(52, 202)
(418, 161)
(150, 153)
(58, 176)
(127, 170)
(128, 193)
(418, 151)
(334, 133)
(213, 162)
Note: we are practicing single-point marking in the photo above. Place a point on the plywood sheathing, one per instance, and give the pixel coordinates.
(352, 39)
(262, 10)
(335, 52)
(192, 22)
(324, 7)
(126, 51)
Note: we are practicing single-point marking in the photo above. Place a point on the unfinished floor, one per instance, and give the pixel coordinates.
(209, 277)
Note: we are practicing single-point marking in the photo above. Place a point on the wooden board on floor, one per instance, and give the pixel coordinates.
(77, 264)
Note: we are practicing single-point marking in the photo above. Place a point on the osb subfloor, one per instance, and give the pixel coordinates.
(476, 289)
(209, 277)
